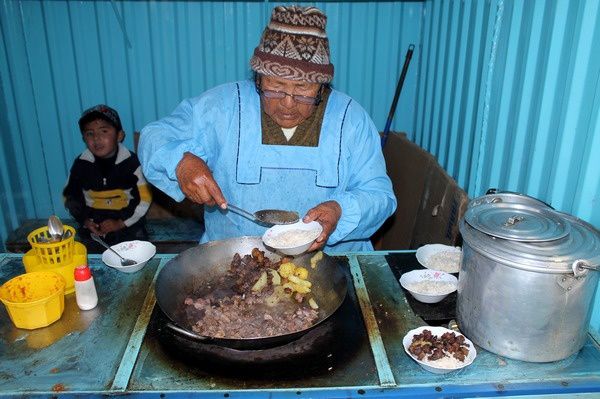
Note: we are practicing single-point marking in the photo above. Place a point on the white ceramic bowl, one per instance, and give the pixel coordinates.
(426, 364)
(425, 252)
(417, 276)
(139, 251)
(292, 239)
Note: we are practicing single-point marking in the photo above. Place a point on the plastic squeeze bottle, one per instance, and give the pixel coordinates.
(85, 289)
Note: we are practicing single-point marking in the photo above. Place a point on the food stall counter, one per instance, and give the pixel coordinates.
(115, 349)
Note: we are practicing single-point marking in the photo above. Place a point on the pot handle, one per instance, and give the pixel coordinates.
(185, 333)
(580, 268)
(498, 191)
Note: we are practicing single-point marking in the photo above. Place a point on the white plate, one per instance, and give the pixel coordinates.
(437, 331)
(426, 251)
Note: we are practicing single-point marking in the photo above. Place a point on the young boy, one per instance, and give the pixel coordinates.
(106, 192)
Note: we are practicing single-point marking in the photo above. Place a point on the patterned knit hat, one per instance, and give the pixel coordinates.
(294, 46)
(103, 112)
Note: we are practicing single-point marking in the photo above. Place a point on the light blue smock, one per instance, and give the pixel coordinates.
(223, 127)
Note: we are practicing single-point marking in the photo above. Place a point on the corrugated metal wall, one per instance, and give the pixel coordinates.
(143, 57)
(509, 97)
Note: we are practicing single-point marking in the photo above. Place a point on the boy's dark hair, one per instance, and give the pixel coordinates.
(103, 112)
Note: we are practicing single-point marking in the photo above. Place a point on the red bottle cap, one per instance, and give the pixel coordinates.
(82, 273)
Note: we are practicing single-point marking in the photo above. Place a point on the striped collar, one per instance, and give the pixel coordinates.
(122, 154)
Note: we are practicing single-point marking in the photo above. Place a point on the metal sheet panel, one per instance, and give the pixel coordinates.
(144, 57)
(84, 350)
(509, 98)
(523, 111)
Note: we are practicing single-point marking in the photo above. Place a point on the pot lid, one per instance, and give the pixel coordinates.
(553, 256)
(507, 196)
(518, 222)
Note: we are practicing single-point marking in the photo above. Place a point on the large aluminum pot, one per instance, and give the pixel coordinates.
(527, 280)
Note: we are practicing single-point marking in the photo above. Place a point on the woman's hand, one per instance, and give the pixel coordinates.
(327, 214)
(110, 226)
(197, 182)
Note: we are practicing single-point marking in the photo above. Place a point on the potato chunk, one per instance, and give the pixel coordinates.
(286, 269)
(260, 283)
(300, 281)
(301, 272)
(316, 259)
(276, 278)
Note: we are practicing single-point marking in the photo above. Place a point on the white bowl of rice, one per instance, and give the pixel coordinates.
(444, 258)
(292, 239)
(446, 364)
(429, 286)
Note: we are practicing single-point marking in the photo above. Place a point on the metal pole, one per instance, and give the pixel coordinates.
(388, 123)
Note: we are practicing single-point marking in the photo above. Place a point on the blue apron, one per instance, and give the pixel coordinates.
(223, 126)
(255, 176)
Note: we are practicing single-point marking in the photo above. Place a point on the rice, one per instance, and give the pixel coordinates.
(447, 362)
(445, 261)
(292, 238)
(431, 287)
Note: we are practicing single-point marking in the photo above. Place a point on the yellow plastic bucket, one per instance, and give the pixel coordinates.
(52, 253)
(34, 300)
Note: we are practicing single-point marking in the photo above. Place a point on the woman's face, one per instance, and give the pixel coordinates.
(287, 112)
(102, 138)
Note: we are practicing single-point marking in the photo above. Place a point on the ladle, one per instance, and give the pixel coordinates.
(268, 216)
(124, 261)
(55, 228)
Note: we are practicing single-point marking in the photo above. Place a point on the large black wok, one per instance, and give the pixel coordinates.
(187, 274)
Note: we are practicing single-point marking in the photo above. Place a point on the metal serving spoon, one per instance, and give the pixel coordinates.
(268, 216)
(124, 261)
(55, 228)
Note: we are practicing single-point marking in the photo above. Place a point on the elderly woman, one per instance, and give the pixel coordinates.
(285, 140)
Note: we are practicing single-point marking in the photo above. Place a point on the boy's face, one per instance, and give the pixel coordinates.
(102, 138)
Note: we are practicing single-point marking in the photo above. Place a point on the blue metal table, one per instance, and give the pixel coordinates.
(105, 351)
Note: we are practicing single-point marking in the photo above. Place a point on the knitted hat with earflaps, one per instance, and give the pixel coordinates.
(294, 46)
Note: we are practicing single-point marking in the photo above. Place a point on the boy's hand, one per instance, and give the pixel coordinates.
(92, 226)
(111, 225)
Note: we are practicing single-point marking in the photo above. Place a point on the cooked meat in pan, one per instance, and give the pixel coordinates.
(264, 298)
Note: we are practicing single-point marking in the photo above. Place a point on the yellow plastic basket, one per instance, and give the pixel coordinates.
(34, 300)
(52, 253)
(32, 264)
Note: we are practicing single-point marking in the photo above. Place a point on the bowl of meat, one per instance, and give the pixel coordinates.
(292, 239)
(438, 349)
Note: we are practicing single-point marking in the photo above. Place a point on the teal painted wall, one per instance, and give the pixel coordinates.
(143, 58)
(509, 97)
